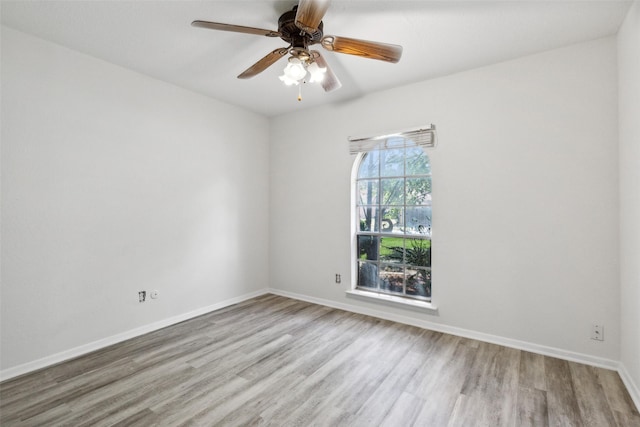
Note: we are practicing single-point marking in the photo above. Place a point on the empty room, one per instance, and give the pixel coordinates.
(320, 213)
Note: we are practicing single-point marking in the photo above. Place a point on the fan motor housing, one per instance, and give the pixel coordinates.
(294, 35)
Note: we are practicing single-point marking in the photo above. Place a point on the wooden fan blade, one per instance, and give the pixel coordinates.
(367, 49)
(264, 63)
(235, 28)
(310, 13)
(330, 81)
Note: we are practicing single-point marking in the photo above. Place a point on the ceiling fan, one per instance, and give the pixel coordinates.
(301, 28)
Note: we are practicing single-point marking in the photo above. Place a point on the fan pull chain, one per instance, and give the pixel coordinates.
(299, 92)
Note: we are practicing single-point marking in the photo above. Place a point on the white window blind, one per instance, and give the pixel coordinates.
(424, 136)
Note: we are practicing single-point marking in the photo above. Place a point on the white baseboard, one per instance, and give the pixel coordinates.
(632, 387)
(105, 342)
(466, 333)
(44, 362)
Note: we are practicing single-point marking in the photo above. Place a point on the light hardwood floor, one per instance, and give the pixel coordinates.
(282, 362)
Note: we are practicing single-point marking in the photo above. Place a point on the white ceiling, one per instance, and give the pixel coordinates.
(439, 38)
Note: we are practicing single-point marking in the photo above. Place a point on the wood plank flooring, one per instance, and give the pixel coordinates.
(282, 362)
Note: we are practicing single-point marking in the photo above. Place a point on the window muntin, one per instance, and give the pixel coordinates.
(393, 214)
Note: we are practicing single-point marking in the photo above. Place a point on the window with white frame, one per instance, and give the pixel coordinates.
(393, 214)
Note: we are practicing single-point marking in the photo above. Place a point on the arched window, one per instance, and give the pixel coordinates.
(393, 214)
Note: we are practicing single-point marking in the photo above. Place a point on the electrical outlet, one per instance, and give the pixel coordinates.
(338, 278)
(597, 332)
(142, 296)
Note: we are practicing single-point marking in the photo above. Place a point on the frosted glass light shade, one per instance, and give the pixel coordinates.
(317, 73)
(295, 69)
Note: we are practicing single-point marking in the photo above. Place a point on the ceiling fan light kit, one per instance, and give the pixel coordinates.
(302, 27)
(297, 70)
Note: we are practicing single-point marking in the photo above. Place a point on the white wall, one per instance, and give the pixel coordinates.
(113, 182)
(629, 111)
(525, 195)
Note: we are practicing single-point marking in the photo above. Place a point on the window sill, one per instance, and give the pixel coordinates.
(424, 305)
